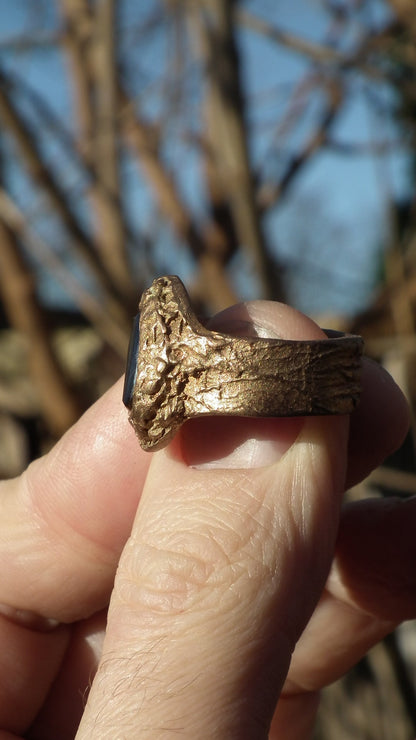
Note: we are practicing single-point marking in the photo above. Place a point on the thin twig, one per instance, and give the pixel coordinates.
(81, 242)
(214, 25)
(92, 308)
(269, 193)
(316, 52)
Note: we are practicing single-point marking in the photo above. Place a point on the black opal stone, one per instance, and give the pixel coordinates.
(131, 367)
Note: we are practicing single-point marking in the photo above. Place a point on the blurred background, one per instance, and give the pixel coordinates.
(261, 149)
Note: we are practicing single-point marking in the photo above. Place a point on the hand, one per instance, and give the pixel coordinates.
(214, 580)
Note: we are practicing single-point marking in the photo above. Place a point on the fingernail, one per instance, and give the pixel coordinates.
(245, 320)
(234, 442)
(27, 619)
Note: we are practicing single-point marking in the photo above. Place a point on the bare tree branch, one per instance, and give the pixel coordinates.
(206, 246)
(114, 334)
(316, 52)
(405, 11)
(360, 58)
(61, 406)
(214, 22)
(43, 176)
(90, 44)
(112, 232)
(269, 193)
(75, 150)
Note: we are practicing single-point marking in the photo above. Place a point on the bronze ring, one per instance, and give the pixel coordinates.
(177, 369)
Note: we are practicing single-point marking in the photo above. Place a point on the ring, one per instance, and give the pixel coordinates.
(177, 369)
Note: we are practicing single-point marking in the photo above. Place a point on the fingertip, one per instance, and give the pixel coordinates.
(375, 554)
(380, 423)
(235, 442)
(265, 319)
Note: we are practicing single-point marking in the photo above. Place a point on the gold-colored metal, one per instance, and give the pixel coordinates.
(184, 370)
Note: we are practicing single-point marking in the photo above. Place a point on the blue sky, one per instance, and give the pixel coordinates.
(334, 220)
(330, 228)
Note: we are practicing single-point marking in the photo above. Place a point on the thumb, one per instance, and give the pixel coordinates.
(228, 555)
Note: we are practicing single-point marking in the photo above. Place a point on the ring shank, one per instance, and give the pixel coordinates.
(183, 370)
(260, 377)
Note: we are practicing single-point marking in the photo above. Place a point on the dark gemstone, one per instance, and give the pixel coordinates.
(131, 367)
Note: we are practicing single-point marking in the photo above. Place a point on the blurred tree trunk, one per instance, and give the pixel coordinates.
(206, 244)
(406, 12)
(60, 405)
(81, 244)
(91, 46)
(229, 171)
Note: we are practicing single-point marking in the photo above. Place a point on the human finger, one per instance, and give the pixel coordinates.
(65, 521)
(165, 583)
(29, 661)
(379, 425)
(63, 525)
(221, 573)
(73, 470)
(371, 589)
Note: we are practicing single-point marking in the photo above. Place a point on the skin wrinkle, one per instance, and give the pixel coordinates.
(230, 601)
(182, 580)
(67, 470)
(144, 583)
(240, 503)
(301, 494)
(51, 538)
(60, 532)
(63, 537)
(249, 480)
(30, 519)
(233, 610)
(312, 450)
(317, 675)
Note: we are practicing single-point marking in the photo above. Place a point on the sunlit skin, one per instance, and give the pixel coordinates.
(239, 551)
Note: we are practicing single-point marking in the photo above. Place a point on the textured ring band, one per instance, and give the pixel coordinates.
(177, 369)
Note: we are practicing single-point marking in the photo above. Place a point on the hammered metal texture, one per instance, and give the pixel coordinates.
(184, 370)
